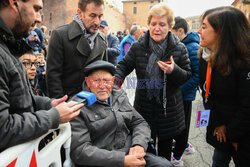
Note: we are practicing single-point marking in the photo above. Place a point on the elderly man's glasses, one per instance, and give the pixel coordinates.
(98, 81)
(28, 65)
(104, 81)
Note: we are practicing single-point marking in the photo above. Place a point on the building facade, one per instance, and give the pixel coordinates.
(59, 12)
(194, 22)
(137, 10)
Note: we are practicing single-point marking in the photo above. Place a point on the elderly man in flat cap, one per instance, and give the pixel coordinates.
(110, 132)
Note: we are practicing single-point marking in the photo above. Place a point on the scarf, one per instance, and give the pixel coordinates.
(153, 71)
(206, 54)
(89, 36)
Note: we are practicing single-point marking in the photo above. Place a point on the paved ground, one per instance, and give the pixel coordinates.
(203, 155)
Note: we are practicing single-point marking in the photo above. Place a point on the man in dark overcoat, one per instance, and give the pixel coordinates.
(74, 46)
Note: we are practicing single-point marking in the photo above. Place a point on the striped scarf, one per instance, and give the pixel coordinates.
(90, 37)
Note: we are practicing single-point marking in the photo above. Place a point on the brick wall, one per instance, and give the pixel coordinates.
(59, 12)
(142, 9)
(54, 14)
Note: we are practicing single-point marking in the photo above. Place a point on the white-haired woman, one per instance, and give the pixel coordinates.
(162, 65)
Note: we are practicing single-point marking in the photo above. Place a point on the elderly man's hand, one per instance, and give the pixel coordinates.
(136, 150)
(135, 160)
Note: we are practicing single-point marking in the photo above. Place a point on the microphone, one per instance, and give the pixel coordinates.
(87, 98)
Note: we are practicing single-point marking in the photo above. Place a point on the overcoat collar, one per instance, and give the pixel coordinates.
(83, 45)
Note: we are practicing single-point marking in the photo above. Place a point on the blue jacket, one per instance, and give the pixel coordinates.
(121, 39)
(34, 44)
(40, 35)
(127, 39)
(113, 49)
(189, 89)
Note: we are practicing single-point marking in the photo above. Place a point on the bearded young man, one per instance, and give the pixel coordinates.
(23, 116)
(74, 46)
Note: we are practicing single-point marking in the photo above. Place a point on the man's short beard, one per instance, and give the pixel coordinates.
(19, 30)
(88, 30)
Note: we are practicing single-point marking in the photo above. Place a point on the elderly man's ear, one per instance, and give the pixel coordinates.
(113, 79)
(88, 82)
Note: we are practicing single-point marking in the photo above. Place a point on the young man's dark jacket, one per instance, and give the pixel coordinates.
(137, 58)
(68, 54)
(23, 116)
(113, 48)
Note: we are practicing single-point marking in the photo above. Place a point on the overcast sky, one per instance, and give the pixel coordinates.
(186, 8)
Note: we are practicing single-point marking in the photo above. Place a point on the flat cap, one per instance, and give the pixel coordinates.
(99, 65)
(104, 23)
(119, 32)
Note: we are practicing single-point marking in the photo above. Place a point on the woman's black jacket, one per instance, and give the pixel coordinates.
(137, 58)
(229, 101)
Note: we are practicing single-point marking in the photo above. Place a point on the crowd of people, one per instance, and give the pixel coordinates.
(39, 84)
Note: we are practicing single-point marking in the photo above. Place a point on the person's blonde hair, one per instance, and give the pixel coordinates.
(43, 28)
(161, 9)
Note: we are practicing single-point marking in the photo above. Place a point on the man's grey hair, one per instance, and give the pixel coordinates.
(134, 28)
(83, 3)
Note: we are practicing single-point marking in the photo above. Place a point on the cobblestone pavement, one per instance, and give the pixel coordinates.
(203, 155)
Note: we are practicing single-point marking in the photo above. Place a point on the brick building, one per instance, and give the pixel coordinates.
(59, 12)
(194, 22)
(137, 10)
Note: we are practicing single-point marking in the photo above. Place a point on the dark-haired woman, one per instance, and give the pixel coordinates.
(225, 81)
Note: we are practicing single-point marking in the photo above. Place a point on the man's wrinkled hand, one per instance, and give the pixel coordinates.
(136, 150)
(135, 160)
